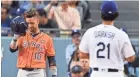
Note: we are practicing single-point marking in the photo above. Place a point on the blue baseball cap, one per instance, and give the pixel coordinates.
(109, 7)
(75, 32)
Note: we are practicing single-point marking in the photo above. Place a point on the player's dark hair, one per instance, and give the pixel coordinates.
(109, 17)
(42, 12)
(31, 13)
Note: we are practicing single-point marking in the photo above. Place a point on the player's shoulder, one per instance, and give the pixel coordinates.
(121, 33)
(91, 30)
(97, 27)
(94, 28)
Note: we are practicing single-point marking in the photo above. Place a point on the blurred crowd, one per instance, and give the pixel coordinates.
(76, 67)
(54, 14)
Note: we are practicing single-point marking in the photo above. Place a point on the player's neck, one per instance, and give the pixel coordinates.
(36, 32)
(108, 23)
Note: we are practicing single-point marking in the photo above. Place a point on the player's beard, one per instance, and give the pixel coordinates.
(33, 29)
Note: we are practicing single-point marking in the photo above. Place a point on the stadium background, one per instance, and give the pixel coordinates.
(128, 19)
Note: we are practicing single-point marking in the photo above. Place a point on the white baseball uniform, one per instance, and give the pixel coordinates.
(107, 47)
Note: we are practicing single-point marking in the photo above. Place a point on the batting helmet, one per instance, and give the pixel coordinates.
(18, 25)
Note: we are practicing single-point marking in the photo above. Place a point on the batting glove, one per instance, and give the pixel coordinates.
(16, 36)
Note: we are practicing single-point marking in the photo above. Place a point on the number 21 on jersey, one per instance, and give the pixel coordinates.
(104, 46)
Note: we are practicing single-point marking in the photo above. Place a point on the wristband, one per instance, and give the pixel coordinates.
(14, 40)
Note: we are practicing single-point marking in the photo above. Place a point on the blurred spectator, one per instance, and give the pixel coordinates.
(54, 34)
(76, 71)
(83, 8)
(46, 23)
(5, 19)
(74, 4)
(130, 66)
(14, 6)
(85, 66)
(6, 3)
(31, 4)
(5, 22)
(15, 9)
(135, 64)
(52, 4)
(72, 49)
(126, 72)
(66, 17)
(46, 2)
(87, 14)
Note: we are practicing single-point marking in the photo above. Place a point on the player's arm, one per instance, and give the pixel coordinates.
(128, 50)
(83, 47)
(51, 57)
(83, 55)
(52, 65)
(130, 59)
(18, 27)
(14, 44)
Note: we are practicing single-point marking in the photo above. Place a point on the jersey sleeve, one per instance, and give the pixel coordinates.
(127, 49)
(83, 47)
(50, 51)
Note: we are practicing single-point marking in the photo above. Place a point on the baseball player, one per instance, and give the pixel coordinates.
(33, 46)
(106, 46)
